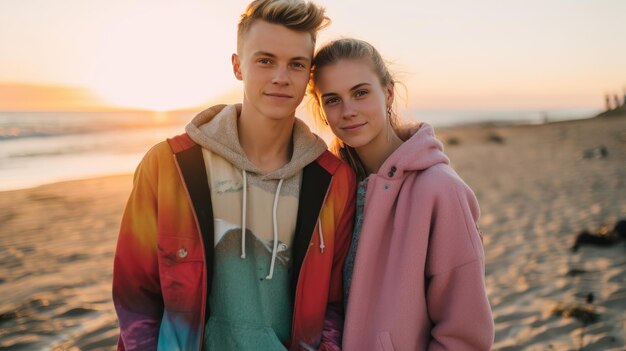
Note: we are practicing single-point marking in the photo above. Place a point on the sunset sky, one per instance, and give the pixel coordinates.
(161, 55)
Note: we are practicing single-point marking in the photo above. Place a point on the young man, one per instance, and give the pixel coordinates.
(235, 233)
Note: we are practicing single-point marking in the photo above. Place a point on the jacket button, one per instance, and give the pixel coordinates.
(182, 252)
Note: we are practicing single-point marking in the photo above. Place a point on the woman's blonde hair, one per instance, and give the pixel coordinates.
(351, 49)
(297, 15)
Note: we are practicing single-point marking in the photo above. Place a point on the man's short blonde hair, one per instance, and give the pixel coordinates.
(297, 15)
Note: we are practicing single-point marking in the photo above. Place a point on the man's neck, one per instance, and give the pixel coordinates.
(266, 142)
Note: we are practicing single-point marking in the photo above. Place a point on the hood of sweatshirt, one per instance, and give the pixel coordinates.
(421, 151)
(216, 130)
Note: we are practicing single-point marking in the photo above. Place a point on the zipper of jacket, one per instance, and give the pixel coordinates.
(296, 299)
(204, 278)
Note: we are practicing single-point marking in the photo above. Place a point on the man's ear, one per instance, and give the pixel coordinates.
(236, 66)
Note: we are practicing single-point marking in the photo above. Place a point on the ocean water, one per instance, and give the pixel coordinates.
(39, 148)
(44, 147)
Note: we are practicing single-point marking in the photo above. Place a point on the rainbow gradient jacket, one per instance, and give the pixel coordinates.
(163, 262)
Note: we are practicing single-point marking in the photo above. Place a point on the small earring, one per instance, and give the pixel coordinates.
(388, 111)
(325, 121)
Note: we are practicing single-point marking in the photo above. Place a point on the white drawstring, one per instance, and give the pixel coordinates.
(319, 221)
(243, 215)
(275, 248)
(275, 223)
(319, 230)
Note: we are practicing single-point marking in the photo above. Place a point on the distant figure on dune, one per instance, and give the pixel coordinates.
(613, 105)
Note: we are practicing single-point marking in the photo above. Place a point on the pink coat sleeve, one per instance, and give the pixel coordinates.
(456, 296)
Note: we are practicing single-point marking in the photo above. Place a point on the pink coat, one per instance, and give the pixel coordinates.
(418, 281)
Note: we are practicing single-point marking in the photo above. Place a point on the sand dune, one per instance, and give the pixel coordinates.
(538, 186)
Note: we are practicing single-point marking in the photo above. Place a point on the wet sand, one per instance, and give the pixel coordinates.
(56, 257)
(538, 186)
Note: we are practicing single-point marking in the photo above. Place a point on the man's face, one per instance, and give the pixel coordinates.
(274, 65)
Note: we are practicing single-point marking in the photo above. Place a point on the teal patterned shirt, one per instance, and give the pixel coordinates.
(358, 223)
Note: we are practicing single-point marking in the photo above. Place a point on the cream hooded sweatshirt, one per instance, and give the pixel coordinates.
(254, 220)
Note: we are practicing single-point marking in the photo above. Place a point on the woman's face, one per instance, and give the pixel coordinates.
(354, 102)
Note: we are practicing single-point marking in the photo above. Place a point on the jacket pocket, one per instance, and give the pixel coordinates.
(385, 341)
(181, 267)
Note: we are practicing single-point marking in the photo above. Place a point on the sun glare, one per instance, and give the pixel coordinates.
(152, 62)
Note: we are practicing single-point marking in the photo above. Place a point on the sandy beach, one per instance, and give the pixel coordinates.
(56, 257)
(538, 186)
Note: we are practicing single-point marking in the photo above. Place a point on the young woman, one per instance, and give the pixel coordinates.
(414, 276)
